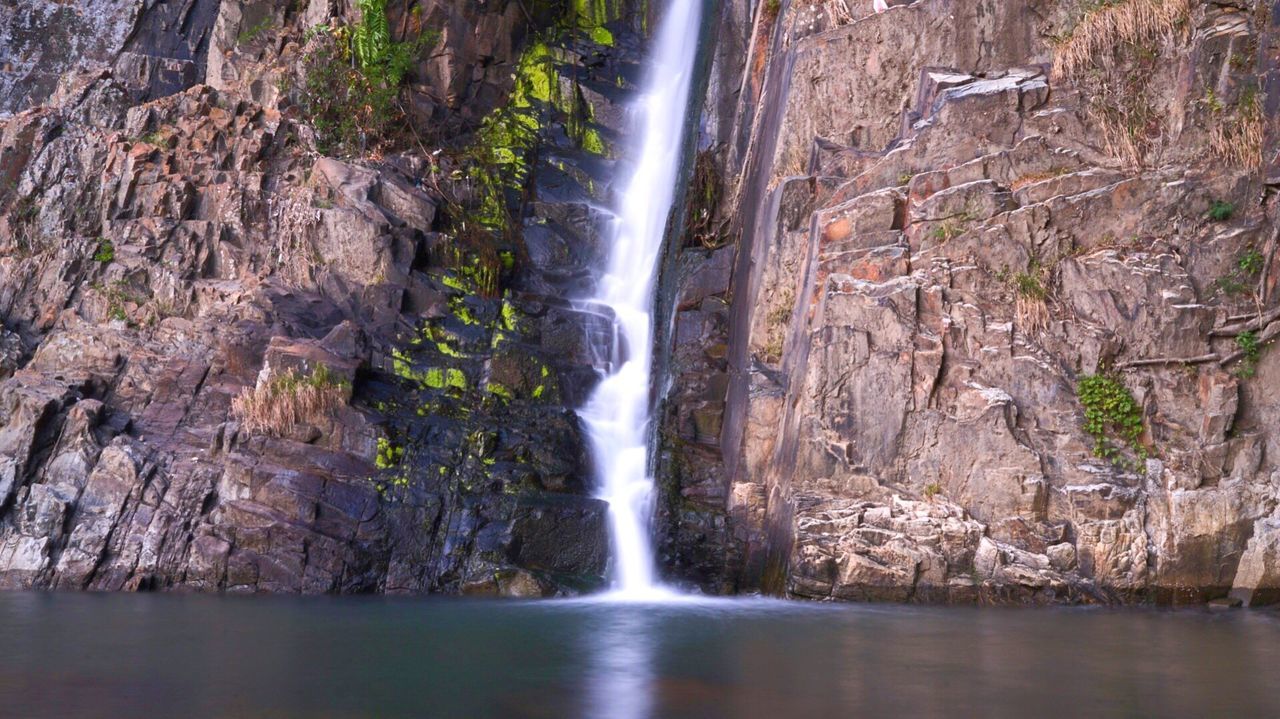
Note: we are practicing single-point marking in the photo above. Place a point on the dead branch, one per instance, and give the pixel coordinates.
(1270, 333)
(1259, 320)
(1158, 361)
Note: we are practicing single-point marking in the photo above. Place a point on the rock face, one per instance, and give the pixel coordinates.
(229, 363)
(928, 234)
(975, 301)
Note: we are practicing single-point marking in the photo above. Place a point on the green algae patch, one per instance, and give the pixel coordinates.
(591, 17)
(389, 455)
(499, 390)
(455, 378)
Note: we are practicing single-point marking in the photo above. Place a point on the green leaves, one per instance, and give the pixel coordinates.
(352, 81)
(1249, 346)
(105, 253)
(1111, 414)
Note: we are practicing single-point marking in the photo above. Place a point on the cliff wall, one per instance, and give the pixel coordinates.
(283, 289)
(980, 306)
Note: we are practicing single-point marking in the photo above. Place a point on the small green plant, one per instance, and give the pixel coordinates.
(1221, 211)
(1250, 350)
(1030, 300)
(106, 251)
(1212, 102)
(352, 78)
(1250, 263)
(1111, 416)
(777, 321)
(1029, 286)
(932, 490)
(118, 296)
(948, 229)
(1229, 285)
(23, 215)
(1247, 266)
(772, 8)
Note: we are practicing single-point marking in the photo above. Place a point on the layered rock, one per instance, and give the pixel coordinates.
(936, 238)
(232, 364)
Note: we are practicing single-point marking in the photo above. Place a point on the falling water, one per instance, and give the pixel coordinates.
(617, 414)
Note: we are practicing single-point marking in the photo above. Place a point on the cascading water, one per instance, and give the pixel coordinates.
(618, 412)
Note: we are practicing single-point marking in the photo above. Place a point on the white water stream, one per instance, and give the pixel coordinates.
(617, 414)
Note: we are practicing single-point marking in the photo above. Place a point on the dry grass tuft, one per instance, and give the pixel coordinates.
(1031, 301)
(1031, 313)
(286, 400)
(1111, 35)
(1237, 139)
(1113, 23)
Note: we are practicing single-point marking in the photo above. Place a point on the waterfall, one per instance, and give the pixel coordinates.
(617, 414)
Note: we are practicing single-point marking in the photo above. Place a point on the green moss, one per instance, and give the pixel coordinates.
(464, 314)
(455, 378)
(445, 349)
(500, 390)
(591, 16)
(510, 315)
(389, 455)
(453, 282)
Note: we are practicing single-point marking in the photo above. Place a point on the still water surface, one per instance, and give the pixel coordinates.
(172, 656)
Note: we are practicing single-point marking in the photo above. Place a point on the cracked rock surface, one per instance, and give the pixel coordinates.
(932, 243)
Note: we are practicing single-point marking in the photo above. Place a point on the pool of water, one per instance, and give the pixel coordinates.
(188, 656)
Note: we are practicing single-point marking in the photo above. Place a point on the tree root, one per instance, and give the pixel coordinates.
(1271, 332)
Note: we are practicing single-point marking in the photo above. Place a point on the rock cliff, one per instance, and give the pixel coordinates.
(283, 287)
(979, 305)
(969, 301)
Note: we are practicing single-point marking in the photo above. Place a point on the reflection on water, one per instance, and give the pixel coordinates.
(620, 665)
(162, 656)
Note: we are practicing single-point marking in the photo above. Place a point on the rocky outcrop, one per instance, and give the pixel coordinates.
(936, 238)
(974, 302)
(230, 363)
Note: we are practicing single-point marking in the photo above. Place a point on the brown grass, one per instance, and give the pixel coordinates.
(1237, 139)
(278, 404)
(1109, 26)
(1031, 301)
(1031, 313)
(1109, 33)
